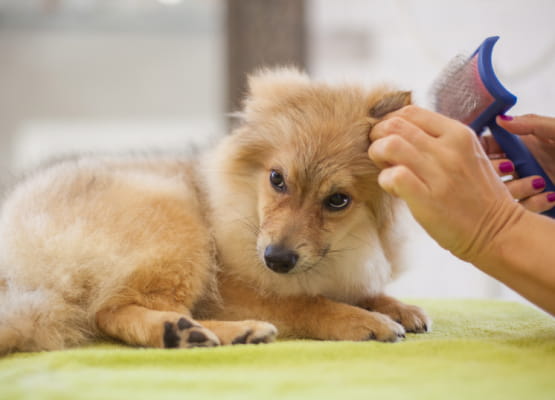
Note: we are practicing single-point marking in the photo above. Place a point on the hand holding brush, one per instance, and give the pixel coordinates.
(439, 168)
(538, 134)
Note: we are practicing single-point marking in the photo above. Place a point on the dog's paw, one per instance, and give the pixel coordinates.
(361, 325)
(382, 328)
(242, 332)
(413, 318)
(185, 333)
(256, 332)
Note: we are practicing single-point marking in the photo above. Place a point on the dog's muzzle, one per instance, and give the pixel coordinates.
(280, 259)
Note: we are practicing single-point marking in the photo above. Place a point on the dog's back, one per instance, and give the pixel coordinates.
(73, 235)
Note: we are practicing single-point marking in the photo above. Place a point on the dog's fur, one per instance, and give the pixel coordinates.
(141, 249)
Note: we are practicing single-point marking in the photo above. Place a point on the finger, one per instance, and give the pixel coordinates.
(408, 131)
(504, 167)
(531, 124)
(491, 147)
(395, 150)
(540, 202)
(401, 182)
(526, 187)
(430, 122)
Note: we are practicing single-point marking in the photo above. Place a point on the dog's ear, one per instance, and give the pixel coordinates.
(388, 103)
(268, 88)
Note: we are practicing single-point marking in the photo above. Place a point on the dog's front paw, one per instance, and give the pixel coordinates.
(185, 333)
(256, 332)
(242, 332)
(413, 318)
(360, 325)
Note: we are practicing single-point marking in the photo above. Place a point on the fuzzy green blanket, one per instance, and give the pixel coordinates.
(477, 350)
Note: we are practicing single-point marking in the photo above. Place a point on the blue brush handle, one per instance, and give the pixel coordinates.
(518, 153)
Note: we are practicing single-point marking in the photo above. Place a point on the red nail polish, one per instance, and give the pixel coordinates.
(538, 183)
(551, 197)
(506, 167)
(506, 117)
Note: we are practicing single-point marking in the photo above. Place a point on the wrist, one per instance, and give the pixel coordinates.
(508, 245)
(521, 257)
(498, 236)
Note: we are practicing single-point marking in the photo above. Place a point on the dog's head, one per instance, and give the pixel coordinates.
(302, 148)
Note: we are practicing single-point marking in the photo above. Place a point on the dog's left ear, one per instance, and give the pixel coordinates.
(388, 103)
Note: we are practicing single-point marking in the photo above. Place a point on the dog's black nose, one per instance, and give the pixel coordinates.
(280, 259)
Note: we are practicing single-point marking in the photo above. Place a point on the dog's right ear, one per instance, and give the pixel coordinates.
(390, 102)
(269, 89)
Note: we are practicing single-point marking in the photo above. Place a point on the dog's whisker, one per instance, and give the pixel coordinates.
(365, 241)
(311, 266)
(252, 229)
(342, 250)
(247, 222)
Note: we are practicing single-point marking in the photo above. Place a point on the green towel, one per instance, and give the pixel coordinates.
(477, 350)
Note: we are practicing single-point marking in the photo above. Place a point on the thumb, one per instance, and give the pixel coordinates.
(529, 124)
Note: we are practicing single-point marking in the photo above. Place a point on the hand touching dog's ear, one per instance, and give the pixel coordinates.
(390, 102)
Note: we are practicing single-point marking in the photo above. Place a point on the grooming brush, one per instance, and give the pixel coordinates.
(468, 90)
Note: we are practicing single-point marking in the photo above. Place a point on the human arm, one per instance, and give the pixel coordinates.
(439, 168)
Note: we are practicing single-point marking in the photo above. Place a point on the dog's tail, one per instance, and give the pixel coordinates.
(37, 320)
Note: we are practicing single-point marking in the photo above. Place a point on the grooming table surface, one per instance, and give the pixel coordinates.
(478, 350)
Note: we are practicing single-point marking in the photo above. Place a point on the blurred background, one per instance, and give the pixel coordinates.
(114, 75)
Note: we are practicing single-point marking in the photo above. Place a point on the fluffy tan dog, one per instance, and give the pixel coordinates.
(283, 222)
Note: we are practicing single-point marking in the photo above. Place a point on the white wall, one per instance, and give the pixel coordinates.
(95, 75)
(407, 42)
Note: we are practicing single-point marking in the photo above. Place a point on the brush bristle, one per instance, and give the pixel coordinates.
(458, 92)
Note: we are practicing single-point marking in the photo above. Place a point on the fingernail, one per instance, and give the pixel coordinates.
(551, 197)
(506, 166)
(538, 183)
(506, 117)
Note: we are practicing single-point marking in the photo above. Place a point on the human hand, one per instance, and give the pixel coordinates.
(538, 134)
(529, 191)
(439, 168)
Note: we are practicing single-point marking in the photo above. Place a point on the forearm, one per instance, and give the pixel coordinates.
(523, 257)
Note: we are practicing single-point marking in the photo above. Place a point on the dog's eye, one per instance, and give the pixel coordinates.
(337, 202)
(277, 181)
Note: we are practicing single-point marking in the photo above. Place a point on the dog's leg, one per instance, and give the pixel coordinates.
(308, 317)
(413, 318)
(141, 326)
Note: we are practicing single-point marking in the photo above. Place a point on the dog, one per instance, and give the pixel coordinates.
(282, 226)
